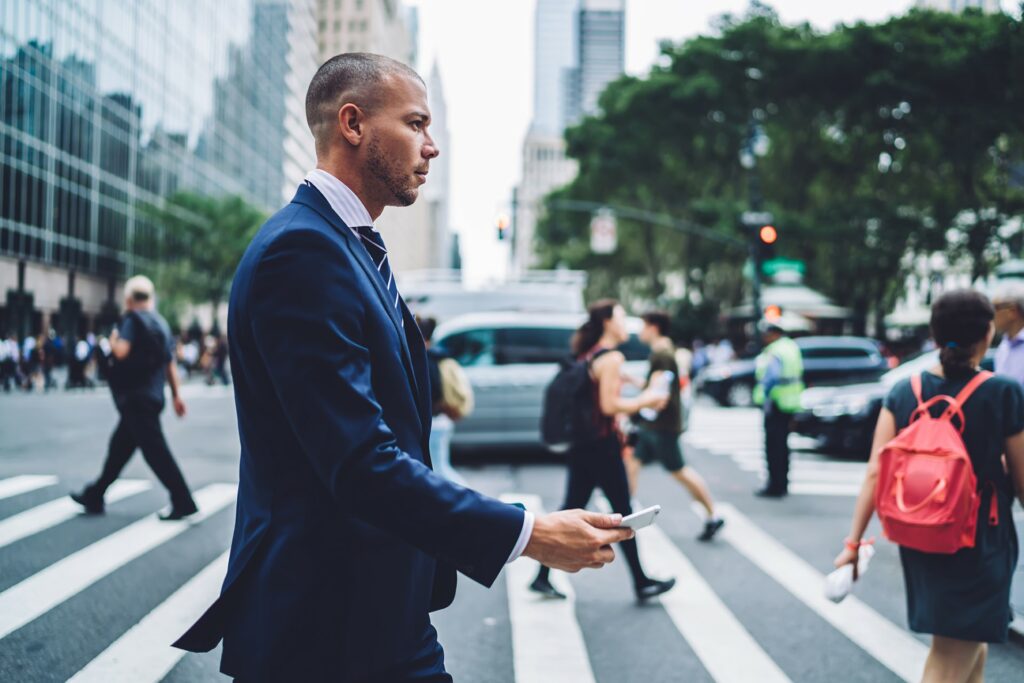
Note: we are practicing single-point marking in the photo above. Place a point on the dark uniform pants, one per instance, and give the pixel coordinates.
(776, 447)
(140, 428)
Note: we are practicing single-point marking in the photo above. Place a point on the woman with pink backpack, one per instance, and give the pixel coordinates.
(944, 492)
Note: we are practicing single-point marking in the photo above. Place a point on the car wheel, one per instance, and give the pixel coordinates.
(740, 395)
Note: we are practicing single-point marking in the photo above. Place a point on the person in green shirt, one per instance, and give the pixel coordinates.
(779, 374)
(659, 432)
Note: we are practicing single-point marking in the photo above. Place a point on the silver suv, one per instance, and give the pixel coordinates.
(510, 358)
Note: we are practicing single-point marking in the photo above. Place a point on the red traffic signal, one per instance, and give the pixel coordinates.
(768, 234)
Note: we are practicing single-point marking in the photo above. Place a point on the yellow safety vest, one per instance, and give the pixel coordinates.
(790, 387)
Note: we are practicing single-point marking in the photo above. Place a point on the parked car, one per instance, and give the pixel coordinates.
(843, 419)
(827, 361)
(510, 358)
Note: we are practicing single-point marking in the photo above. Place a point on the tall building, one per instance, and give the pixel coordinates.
(108, 107)
(959, 5)
(600, 53)
(579, 47)
(383, 27)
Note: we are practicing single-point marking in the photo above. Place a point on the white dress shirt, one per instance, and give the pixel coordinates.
(351, 210)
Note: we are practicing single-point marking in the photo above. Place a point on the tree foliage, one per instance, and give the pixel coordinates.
(202, 239)
(886, 140)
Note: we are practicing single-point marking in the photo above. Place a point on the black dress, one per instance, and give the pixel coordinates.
(966, 595)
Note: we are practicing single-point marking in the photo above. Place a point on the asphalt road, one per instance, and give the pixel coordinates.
(100, 598)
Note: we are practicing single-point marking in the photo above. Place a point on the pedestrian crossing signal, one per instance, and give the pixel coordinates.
(502, 223)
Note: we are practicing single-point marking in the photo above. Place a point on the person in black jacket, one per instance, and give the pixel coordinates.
(143, 358)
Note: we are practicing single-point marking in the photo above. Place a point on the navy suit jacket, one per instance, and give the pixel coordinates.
(344, 538)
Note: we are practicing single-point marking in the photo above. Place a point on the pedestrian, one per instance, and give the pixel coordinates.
(443, 415)
(962, 598)
(141, 346)
(779, 375)
(658, 438)
(1009, 321)
(344, 537)
(219, 362)
(8, 362)
(30, 361)
(596, 462)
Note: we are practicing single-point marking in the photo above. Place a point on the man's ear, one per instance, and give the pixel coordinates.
(351, 123)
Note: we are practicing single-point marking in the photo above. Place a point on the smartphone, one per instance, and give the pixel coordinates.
(638, 520)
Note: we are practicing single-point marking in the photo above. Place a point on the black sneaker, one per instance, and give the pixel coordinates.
(711, 527)
(652, 588)
(544, 587)
(180, 512)
(92, 503)
(767, 492)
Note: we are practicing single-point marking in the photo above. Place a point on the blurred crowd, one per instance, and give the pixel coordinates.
(42, 363)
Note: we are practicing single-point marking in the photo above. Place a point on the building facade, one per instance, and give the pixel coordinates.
(959, 5)
(383, 27)
(579, 47)
(107, 107)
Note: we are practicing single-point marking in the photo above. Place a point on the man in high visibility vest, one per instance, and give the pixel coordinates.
(779, 375)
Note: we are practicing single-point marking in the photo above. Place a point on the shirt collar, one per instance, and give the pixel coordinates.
(342, 199)
(1016, 340)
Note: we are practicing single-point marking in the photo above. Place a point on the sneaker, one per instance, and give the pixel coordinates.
(544, 587)
(711, 527)
(180, 512)
(652, 588)
(92, 503)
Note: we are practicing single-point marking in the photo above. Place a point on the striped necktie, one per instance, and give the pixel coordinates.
(374, 245)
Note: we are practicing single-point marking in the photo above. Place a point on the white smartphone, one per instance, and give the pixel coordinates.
(638, 520)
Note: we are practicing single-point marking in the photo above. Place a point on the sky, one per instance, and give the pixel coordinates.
(484, 50)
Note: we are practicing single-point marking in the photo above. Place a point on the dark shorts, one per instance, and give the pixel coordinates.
(663, 447)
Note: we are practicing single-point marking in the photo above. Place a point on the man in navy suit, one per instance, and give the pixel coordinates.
(345, 539)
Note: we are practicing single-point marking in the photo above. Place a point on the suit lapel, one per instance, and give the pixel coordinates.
(312, 198)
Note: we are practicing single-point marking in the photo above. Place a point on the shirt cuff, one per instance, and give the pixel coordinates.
(524, 537)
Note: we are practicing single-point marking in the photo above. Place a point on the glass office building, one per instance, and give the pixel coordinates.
(107, 106)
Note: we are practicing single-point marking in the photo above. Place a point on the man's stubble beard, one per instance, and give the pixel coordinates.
(390, 175)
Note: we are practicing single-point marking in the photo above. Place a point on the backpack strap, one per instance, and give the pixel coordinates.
(956, 407)
(915, 384)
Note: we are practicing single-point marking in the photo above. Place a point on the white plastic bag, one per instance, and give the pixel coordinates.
(839, 583)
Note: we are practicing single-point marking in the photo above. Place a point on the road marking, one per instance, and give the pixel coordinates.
(725, 648)
(894, 647)
(23, 483)
(817, 488)
(48, 588)
(50, 514)
(547, 644)
(144, 653)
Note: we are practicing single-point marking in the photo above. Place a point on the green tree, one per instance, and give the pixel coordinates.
(202, 239)
(887, 140)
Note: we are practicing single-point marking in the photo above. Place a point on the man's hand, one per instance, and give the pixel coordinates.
(573, 539)
(179, 407)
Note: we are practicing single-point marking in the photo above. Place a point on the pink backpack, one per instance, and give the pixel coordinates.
(927, 495)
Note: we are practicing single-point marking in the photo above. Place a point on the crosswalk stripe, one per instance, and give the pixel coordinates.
(50, 514)
(817, 488)
(143, 653)
(48, 588)
(891, 645)
(547, 643)
(725, 648)
(23, 483)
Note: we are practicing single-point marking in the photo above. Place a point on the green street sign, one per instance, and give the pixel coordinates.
(778, 265)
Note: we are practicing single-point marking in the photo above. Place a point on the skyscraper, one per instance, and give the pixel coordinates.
(601, 53)
(959, 5)
(554, 59)
(108, 107)
(579, 48)
(383, 27)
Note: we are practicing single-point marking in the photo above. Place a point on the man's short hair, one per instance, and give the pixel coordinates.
(353, 77)
(139, 288)
(1010, 292)
(659, 319)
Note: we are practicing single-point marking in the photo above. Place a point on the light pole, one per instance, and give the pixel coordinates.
(755, 145)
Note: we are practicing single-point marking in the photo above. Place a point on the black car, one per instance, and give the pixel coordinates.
(843, 419)
(827, 361)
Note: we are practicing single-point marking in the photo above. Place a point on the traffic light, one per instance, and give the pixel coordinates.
(502, 223)
(767, 235)
(772, 313)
